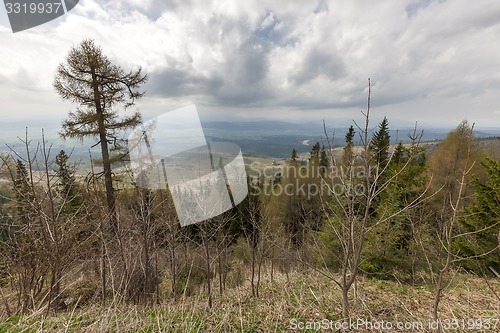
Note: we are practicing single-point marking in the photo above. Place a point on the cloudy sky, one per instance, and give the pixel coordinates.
(435, 62)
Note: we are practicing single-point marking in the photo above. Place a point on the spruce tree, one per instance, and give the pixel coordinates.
(315, 151)
(67, 187)
(380, 142)
(314, 161)
(399, 154)
(349, 136)
(23, 193)
(349, 144)
(324, 163)
(293, 156)
(390, 244)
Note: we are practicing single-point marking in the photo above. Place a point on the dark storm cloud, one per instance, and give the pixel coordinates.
(319, 63)
(238, 79)
(173, 82)
(315, 104)
(247, 68)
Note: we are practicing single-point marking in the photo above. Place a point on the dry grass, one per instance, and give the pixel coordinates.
(302, 296)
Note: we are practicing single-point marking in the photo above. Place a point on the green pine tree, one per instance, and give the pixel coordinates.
(293, 156)
(348, 148)
(390, 244)
(68, 188)
(315, 151)
(23, 193)
(380, 142)
(399, 154)
(324, 163)
(482, 222)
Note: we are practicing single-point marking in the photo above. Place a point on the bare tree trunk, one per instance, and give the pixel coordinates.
(106, 163)
(146, 220)
(173, 265)
(207, 258)
(103, 269)
(108, 176)
(345, 302)
(259, 275)
(253, 271)
(51, 291)
(147, 270)
(157, 284)
(439, 294)
(108, 181)
(221, 287)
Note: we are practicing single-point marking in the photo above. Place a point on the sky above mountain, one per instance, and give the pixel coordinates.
(435, 62)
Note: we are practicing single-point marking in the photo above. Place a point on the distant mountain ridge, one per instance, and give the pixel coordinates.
(278, 138)
(270, 138)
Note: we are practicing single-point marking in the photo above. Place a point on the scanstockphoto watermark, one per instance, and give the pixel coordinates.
(26, 14)
(447, 324)
(355, 325)
(309, 181)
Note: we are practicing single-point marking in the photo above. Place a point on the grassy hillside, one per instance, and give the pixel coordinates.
(57, 284)
(285, 304)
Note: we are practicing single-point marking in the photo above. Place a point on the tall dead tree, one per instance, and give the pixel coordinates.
(89, 79)
(100, 89)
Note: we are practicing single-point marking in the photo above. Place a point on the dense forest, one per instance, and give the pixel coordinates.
(376, 209)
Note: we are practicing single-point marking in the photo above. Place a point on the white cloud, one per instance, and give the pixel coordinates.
(303, 59)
